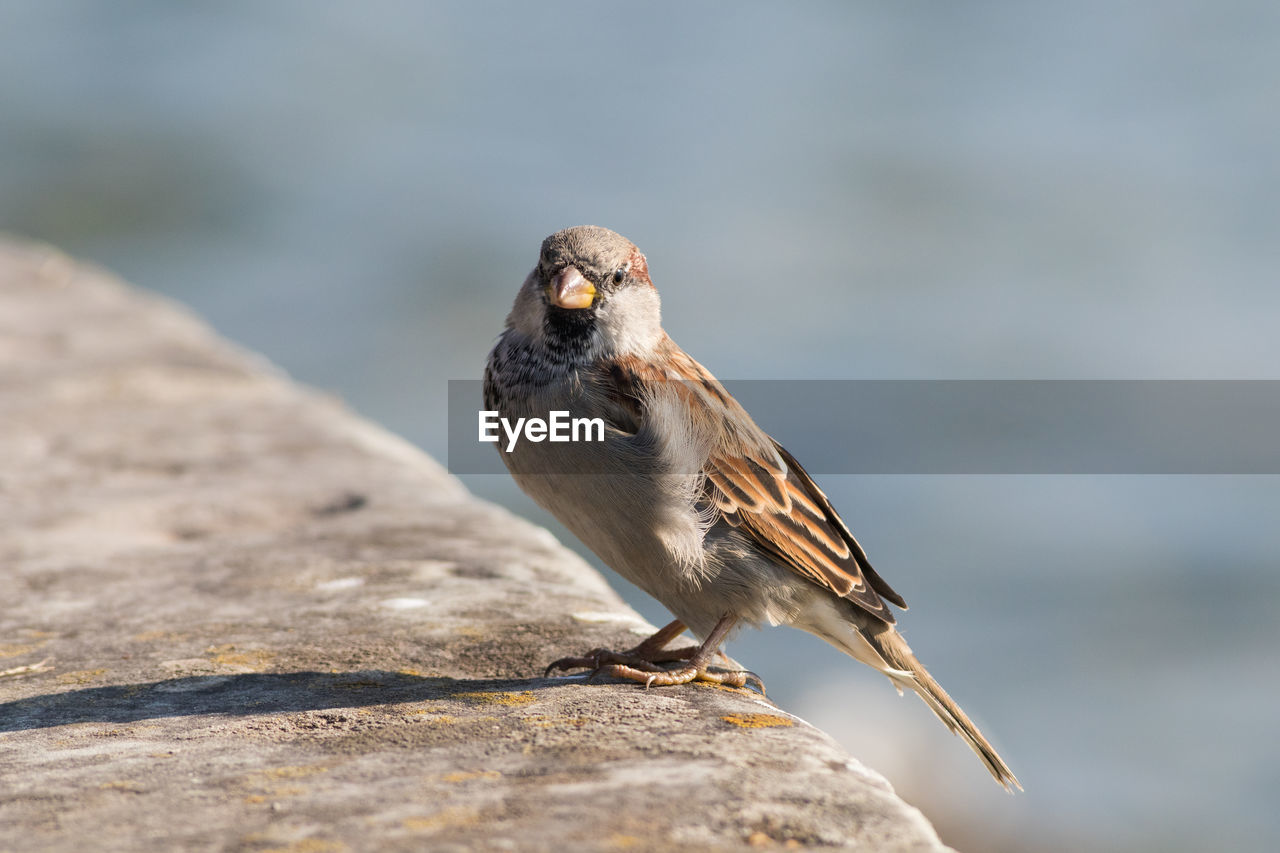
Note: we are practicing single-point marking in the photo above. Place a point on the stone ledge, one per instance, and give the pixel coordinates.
(234, 616)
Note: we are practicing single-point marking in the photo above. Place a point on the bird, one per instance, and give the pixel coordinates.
(683, 494)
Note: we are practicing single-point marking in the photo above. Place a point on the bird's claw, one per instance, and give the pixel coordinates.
(591, 660)
(641, 665)
(596, 659)
(750, 678)
(654, 676)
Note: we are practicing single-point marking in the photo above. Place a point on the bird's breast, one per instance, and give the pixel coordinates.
(616, 491)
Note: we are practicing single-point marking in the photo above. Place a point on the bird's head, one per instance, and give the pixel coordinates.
(590, 293)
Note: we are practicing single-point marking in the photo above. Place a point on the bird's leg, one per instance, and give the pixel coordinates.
(644, 656)
(695, 670)
(654, 648)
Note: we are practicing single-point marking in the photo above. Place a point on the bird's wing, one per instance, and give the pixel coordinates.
(755, 484)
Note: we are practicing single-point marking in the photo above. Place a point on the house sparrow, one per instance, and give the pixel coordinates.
(685, 496)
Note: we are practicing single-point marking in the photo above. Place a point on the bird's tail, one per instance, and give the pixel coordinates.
(904, 670)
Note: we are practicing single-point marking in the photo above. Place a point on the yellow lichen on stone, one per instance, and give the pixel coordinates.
(544, 721)
(524, 697)
(290, 772)
(264, 790)
(82, 676)
(622, 841)
(310, 845)
(467, 776)
(434, 716)
(756, 721)
(448, 817)
(12, 650)
(227, 655)
(263, 785)
(741, 691)
(153, 636)
(760, 839)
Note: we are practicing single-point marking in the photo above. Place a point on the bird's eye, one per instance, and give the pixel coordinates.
(619, 274)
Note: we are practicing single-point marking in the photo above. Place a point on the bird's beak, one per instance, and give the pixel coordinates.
(568, 289)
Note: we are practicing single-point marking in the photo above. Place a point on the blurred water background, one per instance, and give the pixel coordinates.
(828, 190)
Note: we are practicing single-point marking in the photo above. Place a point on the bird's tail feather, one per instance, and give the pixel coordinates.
(906, 671)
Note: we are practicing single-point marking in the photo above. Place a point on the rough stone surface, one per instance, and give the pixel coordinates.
(233, 616)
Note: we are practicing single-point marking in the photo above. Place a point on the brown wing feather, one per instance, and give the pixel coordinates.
(759, 488)
(803, 539)
(879, 584)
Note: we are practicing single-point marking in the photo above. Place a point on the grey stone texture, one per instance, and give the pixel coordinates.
(234, 616)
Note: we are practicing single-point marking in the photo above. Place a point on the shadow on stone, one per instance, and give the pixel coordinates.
(253, 694)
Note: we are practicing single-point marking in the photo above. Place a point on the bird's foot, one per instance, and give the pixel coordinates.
(642, 663)
(655, 676)
(637, 659)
